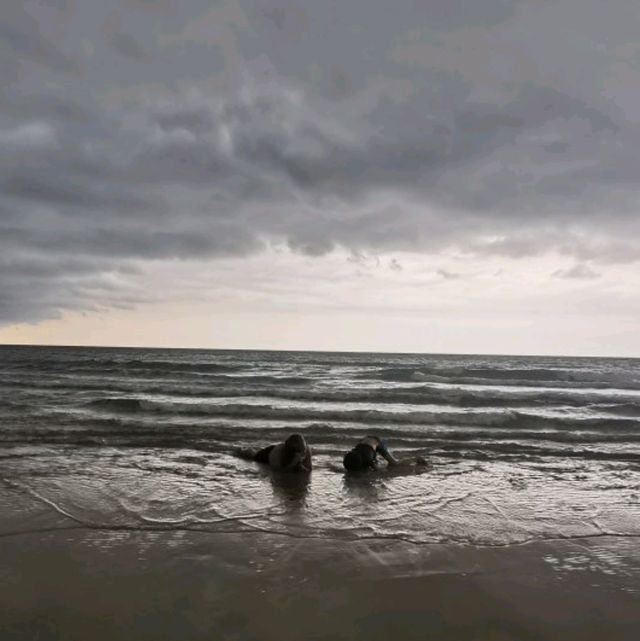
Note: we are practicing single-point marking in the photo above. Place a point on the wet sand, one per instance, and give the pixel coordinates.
(79, 584)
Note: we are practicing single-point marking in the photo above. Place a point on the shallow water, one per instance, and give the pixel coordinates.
(520, 449)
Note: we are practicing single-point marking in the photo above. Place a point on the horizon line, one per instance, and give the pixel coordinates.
(316, 351)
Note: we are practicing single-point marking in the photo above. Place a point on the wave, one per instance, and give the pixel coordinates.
(429, 395)
(299, 389)
(148, 422)
(100, 364)
(620, 409)
(128, 405)
(532, 451)
(330, 442)
(503, 418)
(14, 406)
(517, 377)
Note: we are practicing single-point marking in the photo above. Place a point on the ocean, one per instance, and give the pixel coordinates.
(521, 450)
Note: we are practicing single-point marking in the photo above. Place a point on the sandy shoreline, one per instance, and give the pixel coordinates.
(61, 580)
(98, 584)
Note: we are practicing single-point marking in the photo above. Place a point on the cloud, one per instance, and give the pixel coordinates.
(36, 288)
(22, 38)
(128, 46)
(447, 275)
(579, 270)
(143, 133)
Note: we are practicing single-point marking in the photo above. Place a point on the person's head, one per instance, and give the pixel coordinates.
(296, 443)
(295, 450)
(359, 459)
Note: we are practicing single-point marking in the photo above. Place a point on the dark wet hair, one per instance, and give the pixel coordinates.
(295, 443)
(361, 457)
(293, 446)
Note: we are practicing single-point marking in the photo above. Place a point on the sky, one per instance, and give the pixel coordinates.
(457, 176)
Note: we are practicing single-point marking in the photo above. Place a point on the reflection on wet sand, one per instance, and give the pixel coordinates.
(289, 488)
(365, 486)
(197, 586)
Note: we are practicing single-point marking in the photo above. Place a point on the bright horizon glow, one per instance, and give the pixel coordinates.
(406, 303)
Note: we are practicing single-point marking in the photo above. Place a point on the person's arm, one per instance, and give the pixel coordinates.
(300, 462)
(245, 453)
(386, 454)
(305, 464)
(263, 455)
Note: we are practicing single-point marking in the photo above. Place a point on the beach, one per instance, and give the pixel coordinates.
(63, 581)
(319, 321)
(125, 513)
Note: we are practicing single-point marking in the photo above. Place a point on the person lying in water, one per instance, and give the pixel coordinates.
(294, 455)
(364, 456)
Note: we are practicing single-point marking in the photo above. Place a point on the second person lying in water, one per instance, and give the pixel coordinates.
(364, 455)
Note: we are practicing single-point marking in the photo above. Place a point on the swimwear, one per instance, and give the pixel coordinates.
(281, 457)
(361, 457)
(263, 455)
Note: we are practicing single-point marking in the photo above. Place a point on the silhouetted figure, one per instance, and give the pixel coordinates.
(294, 455)
(364, 456)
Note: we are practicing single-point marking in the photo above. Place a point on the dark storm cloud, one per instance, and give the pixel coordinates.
(128, 46)
(58, 192)
(196, 121)
(141, 130)
(21, 38)
(50, 108)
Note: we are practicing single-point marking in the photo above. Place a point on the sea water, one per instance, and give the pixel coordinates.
(519, 449)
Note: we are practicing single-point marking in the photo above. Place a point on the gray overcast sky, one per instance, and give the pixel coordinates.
(417, 175)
